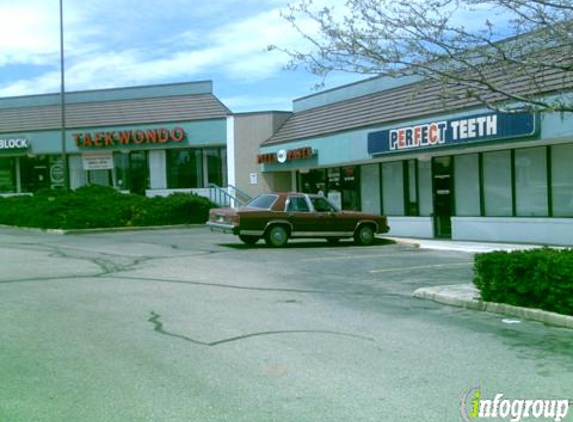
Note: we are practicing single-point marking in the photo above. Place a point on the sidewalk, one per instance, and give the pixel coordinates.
(462, 246)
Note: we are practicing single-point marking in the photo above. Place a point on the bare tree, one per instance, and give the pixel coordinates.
(506, 54)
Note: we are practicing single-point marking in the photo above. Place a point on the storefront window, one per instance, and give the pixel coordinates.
(466, 180)
(132, 171)
(340, 185)
(99, 177)
(393, 188)
(7, 175)
(562, 180)
(35, 173)
(184, 168)
(56, 172)
(412, 188)
(370, 181)
(78, 176)
(497, 183)
(531, 182)
(426, 206)
(350, 189)
(333, 187)
(314, 181)
(216, 168)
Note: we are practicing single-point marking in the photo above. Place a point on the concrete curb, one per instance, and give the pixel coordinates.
(403, 241)
(466, 296)
(103, 230)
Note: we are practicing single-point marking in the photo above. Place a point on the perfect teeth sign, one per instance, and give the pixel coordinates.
(439, 133)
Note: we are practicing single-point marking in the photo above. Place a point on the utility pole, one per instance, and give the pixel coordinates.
(63, 100)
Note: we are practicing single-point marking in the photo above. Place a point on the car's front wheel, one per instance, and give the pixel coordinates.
(276, 236)
(364, 235)
(249, 240)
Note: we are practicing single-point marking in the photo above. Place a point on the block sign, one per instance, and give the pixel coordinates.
(100, 161)
(20, 143)
(477, 128)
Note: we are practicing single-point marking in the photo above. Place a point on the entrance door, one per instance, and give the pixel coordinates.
(442, 173)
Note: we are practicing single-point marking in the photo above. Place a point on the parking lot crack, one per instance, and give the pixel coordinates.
(155, 319)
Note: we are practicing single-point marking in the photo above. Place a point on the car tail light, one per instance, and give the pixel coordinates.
(235, 220)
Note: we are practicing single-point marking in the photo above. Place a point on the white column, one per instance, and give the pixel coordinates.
(157, 170)
(231, 176)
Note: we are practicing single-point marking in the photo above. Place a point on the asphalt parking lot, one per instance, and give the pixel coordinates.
(188, 325)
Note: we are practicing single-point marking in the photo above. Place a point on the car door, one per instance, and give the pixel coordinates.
(299, 215)
(328, 219)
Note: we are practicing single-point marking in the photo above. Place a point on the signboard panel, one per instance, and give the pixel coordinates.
(439, 133)
(98, 161)
(10, 144)
(129, 138)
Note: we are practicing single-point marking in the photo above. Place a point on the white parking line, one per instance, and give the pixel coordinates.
(421, 267)
(343, 257)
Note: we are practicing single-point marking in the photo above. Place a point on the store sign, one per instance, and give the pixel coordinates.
(483, 127)
(98, 161)
(56, 172)
(20, 143)
(282, 156)
(129, 138)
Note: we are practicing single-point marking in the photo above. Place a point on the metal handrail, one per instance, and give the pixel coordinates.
(221, 196)
(246, 196)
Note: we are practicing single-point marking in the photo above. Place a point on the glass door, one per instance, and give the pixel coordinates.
(442, 175)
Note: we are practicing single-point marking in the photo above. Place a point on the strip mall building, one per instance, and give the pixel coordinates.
(382, 146)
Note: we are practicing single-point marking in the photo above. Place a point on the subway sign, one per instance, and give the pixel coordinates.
(439, 133)
(283, 155)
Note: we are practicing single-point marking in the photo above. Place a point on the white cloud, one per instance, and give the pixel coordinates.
(29, 35)
(99, 56)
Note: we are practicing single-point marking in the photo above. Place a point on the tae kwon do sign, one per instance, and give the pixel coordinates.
(483, 127)
(126, 138)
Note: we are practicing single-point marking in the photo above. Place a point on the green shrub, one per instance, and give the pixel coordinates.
(101, 207)
(538, 278)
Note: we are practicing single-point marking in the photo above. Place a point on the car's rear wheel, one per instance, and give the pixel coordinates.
(249, 240)
(364, 235)
(276, 236)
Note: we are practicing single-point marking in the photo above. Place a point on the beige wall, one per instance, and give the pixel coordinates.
(252, 129)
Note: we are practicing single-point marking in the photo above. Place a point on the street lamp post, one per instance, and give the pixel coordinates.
(63, 100)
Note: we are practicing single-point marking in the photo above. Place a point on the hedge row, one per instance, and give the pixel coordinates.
(99, 207)
(537, 278)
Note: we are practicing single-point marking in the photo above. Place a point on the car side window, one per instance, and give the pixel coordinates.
(297, 204)
(322, 205)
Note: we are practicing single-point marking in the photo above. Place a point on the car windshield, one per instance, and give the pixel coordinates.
(262, 201)
(321, 204)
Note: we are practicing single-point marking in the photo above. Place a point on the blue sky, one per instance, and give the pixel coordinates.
(116, 43)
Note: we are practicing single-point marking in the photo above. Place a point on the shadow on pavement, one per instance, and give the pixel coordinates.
(306, 244)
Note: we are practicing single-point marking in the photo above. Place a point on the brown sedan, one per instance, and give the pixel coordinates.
(276, 217)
